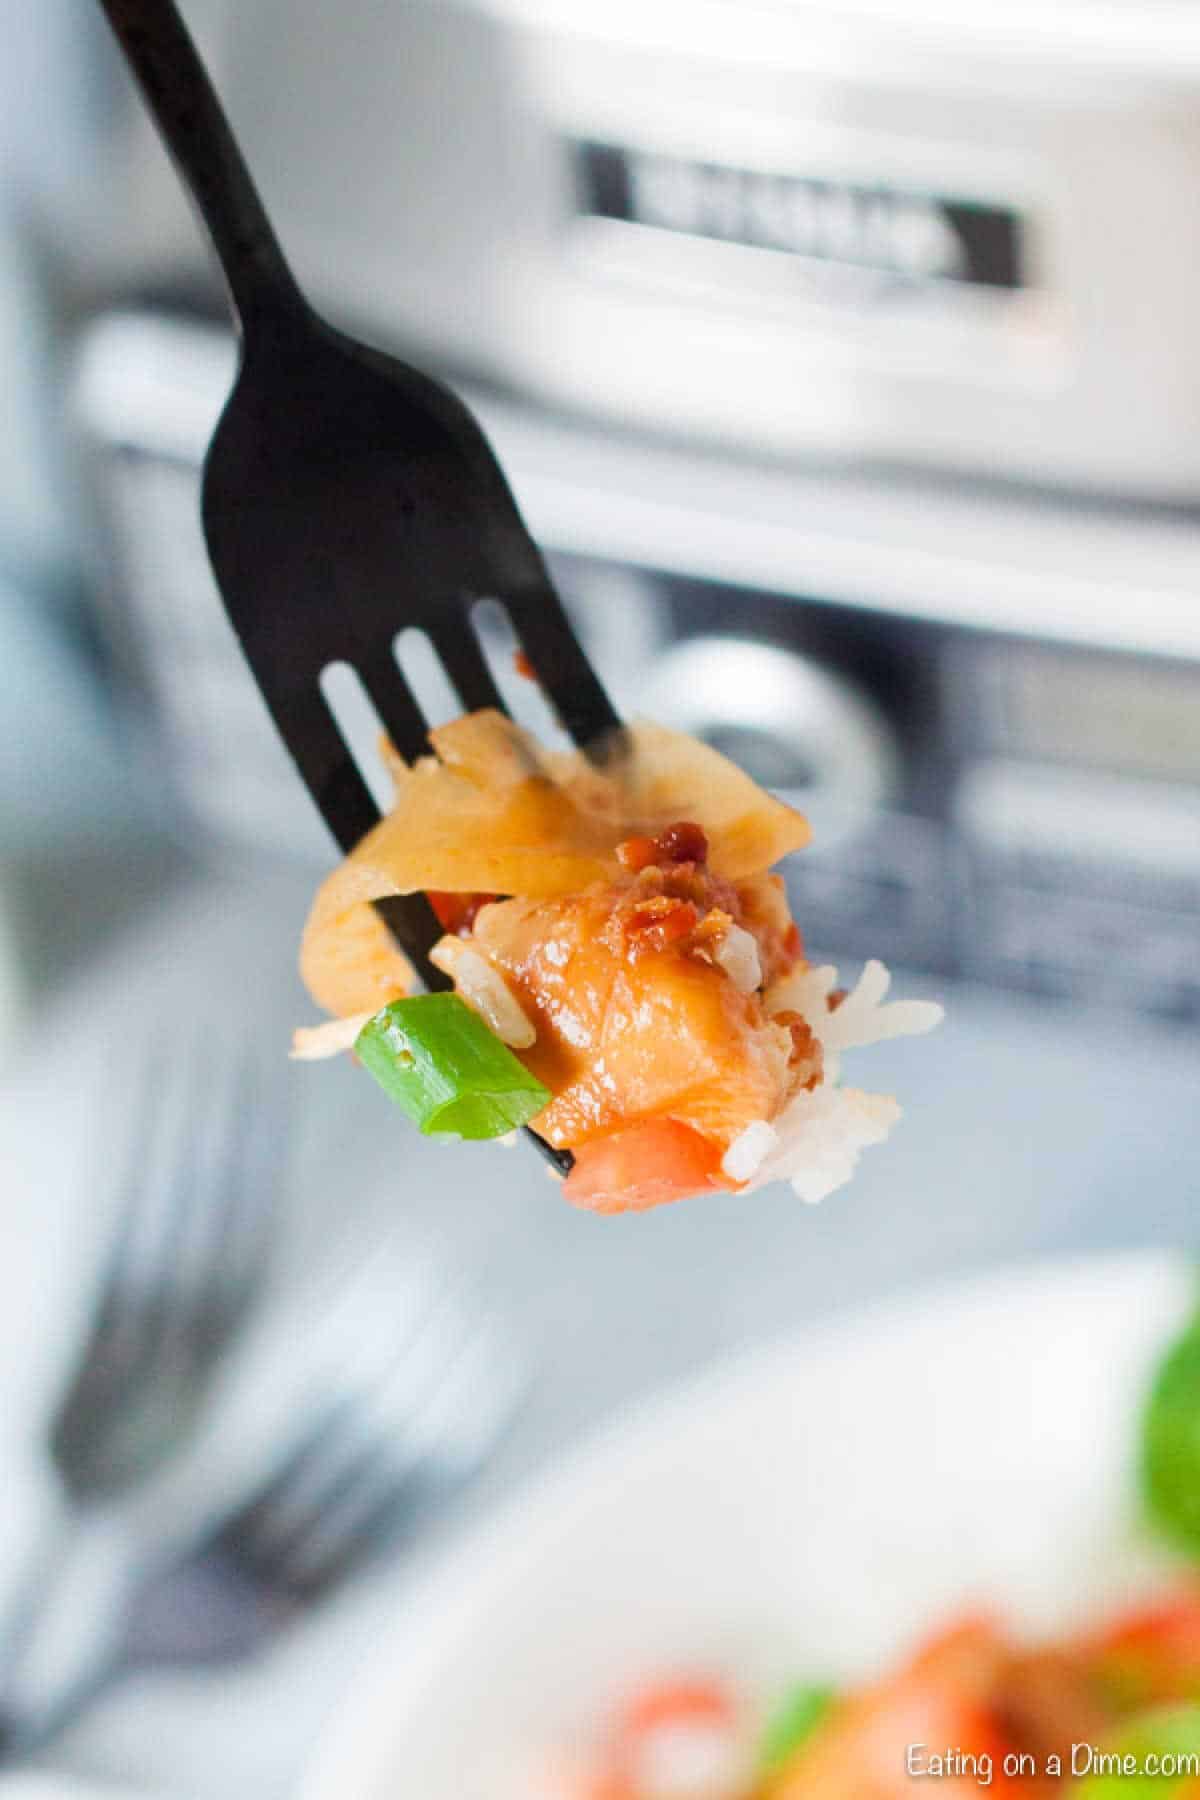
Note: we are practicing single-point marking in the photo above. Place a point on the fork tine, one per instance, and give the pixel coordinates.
(399, 713)
(331, 1527)
(322, 1484)
(191, 1176)
(316, 1501)
(415, 927)
(326, 766)
(106, 1355)
(149, 1286)
(201, 1179)
(377, 1519)
(125, 1246)
(246, 1172)
(401, 1461)
(262, 1165)
(563, 671)
(372, 1495)
(387, 1380)
(156, 1222)
(459, 648)
(248, 1530)
(329, 1462)
(449, 1433)
(408, 917)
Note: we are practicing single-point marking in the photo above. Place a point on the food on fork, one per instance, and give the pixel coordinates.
(628, 979)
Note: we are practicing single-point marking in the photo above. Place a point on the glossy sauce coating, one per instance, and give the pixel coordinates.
(635, 1016)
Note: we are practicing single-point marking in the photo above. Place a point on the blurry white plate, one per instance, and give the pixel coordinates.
(806, 1509)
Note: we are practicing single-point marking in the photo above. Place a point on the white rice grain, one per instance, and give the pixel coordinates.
(485, 991)
(805, 991)
(862, 1018)
(821, 1136)
(737, 954)
(749, 1150)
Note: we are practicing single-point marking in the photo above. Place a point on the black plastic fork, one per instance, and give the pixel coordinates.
(346, 496)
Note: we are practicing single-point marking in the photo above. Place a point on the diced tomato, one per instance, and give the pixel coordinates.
(658, 923)
(966, 1652)
(939, 1700)
(683, 842)
(1152, 1655)
(642, 1166)
(669, 1707)
(636, 853)
(695, 1721)
(674, 1703)
(456, 913)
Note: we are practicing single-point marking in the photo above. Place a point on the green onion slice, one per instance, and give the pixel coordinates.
(1154, 1756)
(1170, 1448)
(437, 1059)
(792, 1723)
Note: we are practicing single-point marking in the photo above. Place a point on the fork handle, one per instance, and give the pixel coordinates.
(176, 87)
(64, 1632)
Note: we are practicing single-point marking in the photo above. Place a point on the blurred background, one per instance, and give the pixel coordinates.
(842, 357)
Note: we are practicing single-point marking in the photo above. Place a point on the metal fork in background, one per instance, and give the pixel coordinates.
(203, 1167)
(366, 1406)
(384, 1431)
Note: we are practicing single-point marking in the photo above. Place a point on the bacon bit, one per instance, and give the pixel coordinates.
(834, 999)
(1047, 1701)
(654, 924)
(456, 913)
(637, 853)
(684, 842)
(806, 1048)
(523, 666)
(679, 843)
(712, 927)
(663, 906)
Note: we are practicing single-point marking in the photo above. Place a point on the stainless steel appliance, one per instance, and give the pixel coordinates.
(958, 233)
(989, 702)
